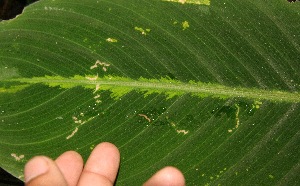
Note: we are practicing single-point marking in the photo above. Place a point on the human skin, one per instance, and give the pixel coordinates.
(101, 168)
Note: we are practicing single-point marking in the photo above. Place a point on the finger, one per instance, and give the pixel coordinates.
(42, 171)
(102, 166)
(170, 176)
(70, 164)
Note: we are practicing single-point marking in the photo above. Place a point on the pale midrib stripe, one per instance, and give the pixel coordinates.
(202, 89)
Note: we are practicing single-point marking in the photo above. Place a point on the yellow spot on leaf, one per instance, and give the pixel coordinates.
(185, 25)
(256, 104)
(143, 31)
(111, 40)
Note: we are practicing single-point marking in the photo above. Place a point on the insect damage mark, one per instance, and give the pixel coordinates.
(92, 147)
(97, 98)
(237, 119)
(96, 88)
(143, 31)
(101, 64)
(76, 120)
(73, 133)
(185, 25)
(179, 131)
(146, 117)
(182, 131)
(17, 158)
(84, 119)
(53, 8)
(111, 40)
(92, 78)
(197, 2)
(249, 108)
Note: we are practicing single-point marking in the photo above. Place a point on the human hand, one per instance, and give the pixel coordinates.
(101, 168)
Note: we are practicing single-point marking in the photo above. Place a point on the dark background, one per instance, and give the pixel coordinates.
(10, 8)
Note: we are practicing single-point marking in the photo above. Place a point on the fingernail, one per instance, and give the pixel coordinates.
(35, 167)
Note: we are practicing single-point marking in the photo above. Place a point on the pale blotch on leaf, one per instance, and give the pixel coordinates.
(8, 73)
(101, 64)
(97, 96)
(53, 8)
(13, 89)
(17, 158)
(197, 2)
(73, 133)
(92, 78)
(182, 132)
(96, 88)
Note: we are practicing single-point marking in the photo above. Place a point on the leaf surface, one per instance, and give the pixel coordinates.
(210, 87)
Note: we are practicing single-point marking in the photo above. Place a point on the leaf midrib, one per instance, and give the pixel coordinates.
(166, 86)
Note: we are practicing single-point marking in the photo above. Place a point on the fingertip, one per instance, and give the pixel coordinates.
(70, 155)
(109, 149)
(42, 171)
(102, 166)
(70, 164)
(173, 176)
(110, 146)
(35, 167)
(170, 176)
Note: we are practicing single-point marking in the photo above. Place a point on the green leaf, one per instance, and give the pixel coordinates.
(211, 87)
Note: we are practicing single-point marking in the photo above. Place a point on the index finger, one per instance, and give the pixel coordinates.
(102, 166)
